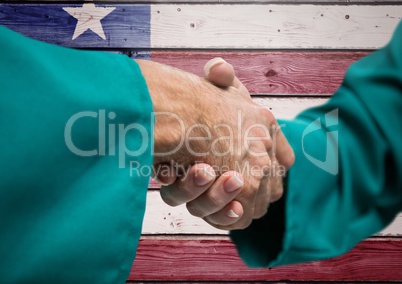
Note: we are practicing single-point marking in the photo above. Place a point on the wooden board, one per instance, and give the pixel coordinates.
(125, 26)
(288, 108)
(274, 73)
(161, 218)
(273, 26)
(189, 26)
(317, 42)
(216, 259)
(221, 1)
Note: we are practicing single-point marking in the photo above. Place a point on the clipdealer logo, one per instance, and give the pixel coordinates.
(112, 137)
(331, 162)
(102, 150)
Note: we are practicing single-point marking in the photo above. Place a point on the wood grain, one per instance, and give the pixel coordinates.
(220, 1)
(234, 26)
(127, 26)
(287, 108)
(273, 26)
(177, 246)
(274, 73)
(216, 259)
(161, 218)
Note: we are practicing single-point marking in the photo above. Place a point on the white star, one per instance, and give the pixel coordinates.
(89, 17)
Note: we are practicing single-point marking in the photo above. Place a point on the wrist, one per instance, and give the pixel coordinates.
(174, 103)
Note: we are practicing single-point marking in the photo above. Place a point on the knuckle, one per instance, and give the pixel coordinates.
(265, 133)
(266, 165)
(267, 114)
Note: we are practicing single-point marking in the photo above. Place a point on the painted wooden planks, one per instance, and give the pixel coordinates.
(274, 73)
(287, 108)
(216, 259)
(273, 26)
(125, 26)
(221, 1)
(161, 218)
(234, 26)
(288, 81)
(224, 1)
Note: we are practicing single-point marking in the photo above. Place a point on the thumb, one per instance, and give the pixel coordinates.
(220, 73)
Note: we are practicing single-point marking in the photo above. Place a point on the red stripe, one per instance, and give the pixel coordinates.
(313, 73)
(216, 260)
(153, 184)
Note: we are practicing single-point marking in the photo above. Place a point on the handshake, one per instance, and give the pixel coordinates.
(214, 148)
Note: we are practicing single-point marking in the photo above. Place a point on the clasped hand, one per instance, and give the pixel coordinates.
(215, 149)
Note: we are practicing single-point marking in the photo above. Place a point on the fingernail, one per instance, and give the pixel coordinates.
(210, 64)
(233, 183)
(204, 175)
(232, 214)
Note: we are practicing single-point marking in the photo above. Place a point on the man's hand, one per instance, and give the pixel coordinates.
(230, 202)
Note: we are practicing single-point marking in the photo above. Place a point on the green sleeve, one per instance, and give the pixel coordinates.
(70, 211)
(346, 183)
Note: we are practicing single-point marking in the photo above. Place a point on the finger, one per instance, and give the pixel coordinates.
(222, 74)
(281, 148)
(275, 182)
(270, 189)
(263, 197)
(223, 191)
(229, 215)
(198, 179)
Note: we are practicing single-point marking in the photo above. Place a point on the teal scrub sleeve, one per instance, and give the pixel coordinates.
(75, 148)
(346, 183)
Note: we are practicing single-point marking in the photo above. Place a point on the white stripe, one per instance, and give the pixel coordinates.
(286, 26)
(163, 219)
(288, 108)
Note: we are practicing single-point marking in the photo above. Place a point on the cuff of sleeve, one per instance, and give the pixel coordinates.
(260, 243)
(283, 235)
